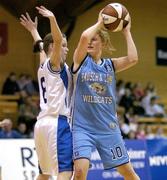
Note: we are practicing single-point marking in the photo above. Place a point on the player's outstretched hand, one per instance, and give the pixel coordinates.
(44, 12)
(27, 22)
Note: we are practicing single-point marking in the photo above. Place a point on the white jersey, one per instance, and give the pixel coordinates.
(55, 90)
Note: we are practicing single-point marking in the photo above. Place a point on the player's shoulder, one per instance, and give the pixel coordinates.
(44, 63)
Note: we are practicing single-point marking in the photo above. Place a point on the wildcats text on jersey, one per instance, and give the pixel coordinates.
(97, 99)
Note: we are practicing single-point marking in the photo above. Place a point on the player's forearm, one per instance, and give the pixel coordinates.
(35, 35)
(131, 48)
(91, 31)
(57, 39)
(55, 30)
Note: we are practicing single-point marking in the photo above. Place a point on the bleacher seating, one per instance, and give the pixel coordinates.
(9, 109)
(9, 97)
(154, 120)
(154, 123)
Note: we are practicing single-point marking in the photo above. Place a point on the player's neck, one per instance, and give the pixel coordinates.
(99, 61)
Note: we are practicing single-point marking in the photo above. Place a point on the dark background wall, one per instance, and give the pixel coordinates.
(148, 22)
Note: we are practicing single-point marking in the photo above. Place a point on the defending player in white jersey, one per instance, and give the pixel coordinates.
(53, 139)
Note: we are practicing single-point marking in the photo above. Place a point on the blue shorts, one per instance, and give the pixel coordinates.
(64, 145)
(110, 147)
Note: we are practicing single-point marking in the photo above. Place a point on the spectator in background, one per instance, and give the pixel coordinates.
(137, 108)
(124, 127)
(2, 123)
(149, 133)
(132, 134)
(7, 131)
(22, 129)
(138, 91)
(145, 102)
(160, 133)
(30, 87)
(23, 96)
(127, 100)
(10, 86)
(28, 111)
(120, 90)
(140, 134)
(21, 81)
(154, 109)
(151, 88)
(133, 123)
(129, 85)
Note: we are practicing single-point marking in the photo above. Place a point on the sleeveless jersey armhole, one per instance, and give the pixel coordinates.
(112, 64)
(74, 72)
(53, 71)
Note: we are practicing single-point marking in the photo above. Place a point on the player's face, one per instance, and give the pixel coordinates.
(95, 45)
(64, 49)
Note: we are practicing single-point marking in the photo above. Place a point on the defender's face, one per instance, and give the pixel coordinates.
(95, 45)
(64, 50)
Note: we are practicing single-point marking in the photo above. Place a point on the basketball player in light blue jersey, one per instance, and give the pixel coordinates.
(95, 123)
(53, 139)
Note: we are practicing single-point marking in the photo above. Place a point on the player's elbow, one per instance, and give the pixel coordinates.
(133, 59)
(84, 37)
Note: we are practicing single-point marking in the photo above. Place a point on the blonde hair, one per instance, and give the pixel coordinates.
(105, 37)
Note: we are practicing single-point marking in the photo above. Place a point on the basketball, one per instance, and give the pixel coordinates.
(115, 17)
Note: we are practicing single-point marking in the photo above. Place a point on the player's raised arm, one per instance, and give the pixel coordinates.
(113, 23)
(85, 39)
(31, 26)
(123, 63)
(57, 37)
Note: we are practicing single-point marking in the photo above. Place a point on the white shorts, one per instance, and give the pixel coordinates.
(53, 141)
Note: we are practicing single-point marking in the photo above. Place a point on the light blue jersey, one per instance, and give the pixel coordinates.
(95, 122)
(95, 95)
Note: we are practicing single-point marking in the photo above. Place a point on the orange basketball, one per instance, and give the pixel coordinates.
(115, 17)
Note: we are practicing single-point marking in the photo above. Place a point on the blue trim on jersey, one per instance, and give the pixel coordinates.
(41, 65)
(50, 68)
(112, 64)
(74, 72)
(39, 168)
(64, 77)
